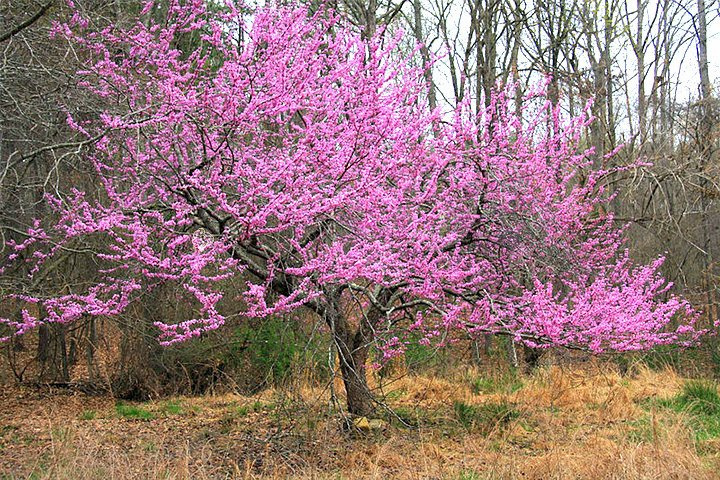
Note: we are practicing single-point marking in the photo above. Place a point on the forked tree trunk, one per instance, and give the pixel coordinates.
(353, 347)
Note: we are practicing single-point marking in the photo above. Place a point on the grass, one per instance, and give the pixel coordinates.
(244, 410)
(506, 383)
(701, 400)
(558, 424)
(701, 397)
(172, 407)
(698, 403)
(641, 430)
(88, 415)
(409, 416)
(485, 417)
(133, 411)
(468, 475)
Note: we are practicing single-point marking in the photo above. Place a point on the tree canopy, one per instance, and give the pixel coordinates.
(303, 156)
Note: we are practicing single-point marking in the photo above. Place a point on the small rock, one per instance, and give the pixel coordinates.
(362, 424)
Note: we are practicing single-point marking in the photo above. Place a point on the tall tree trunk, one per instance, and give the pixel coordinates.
(639, 48)
(609, 87)
(705, 86)
(424, 54)
(705, 151)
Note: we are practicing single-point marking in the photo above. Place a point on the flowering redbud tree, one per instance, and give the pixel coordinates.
(302, 158)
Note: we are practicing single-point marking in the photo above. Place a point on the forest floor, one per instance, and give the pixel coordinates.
(558, 423)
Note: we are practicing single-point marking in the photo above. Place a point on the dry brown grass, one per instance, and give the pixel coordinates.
(569, 424)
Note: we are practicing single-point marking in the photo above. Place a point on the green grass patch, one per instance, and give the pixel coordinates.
(406, 416)
(485, 417)
(395, 394)
(133, 411)
(700, 402)
(701, 397)
(468, 475)
(507, 383)
(172, 408)
(88, 415)
(244, 410)
(641, 430)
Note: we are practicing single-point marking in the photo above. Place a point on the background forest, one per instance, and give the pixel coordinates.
(648, 65)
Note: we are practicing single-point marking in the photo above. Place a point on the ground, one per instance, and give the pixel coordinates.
(557, 423)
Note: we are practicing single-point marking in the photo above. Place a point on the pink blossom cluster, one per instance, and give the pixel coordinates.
(304, 157)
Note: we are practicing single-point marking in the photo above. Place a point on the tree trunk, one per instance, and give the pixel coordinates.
(705, 85)
(352, 367)
(512, 353)
(91, 342)
(352, 352)
(532, 358)
(353, 347)
(639, 48)
(52, 352)
(424, 54)
(705, 150)
(43, 345)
